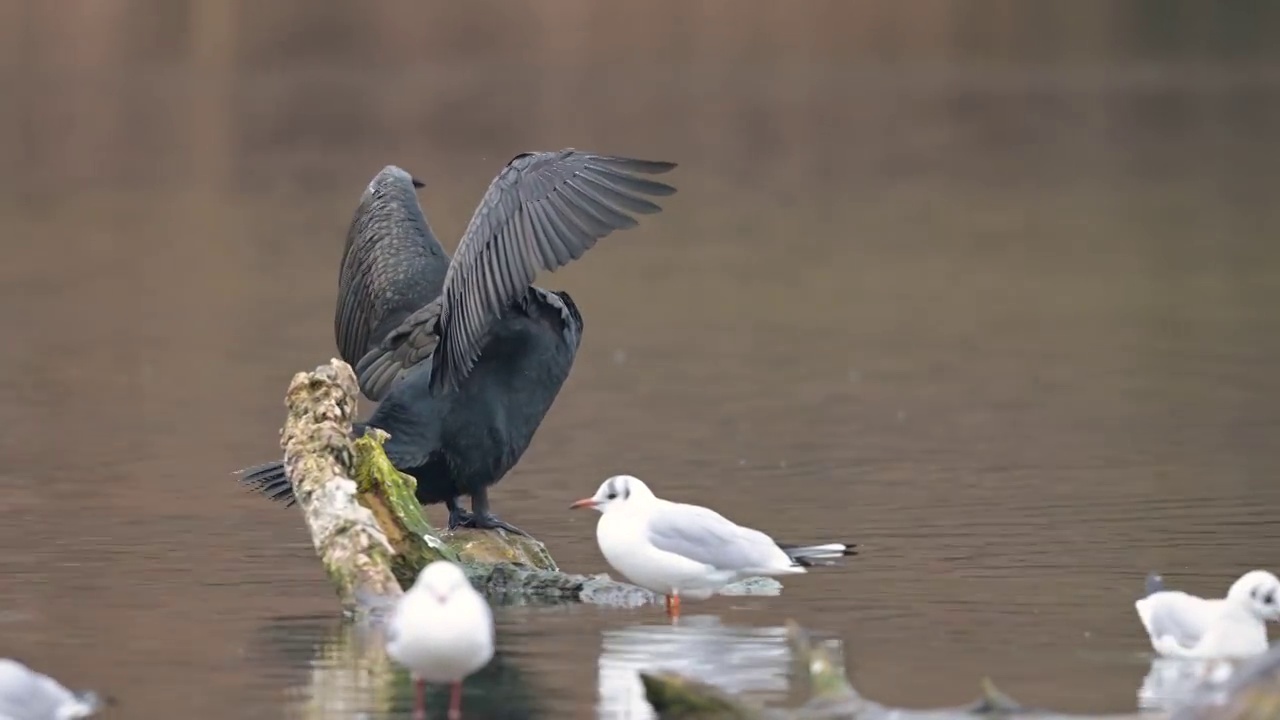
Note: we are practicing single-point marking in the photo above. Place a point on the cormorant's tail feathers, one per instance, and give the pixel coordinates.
(824, 554)
(270, 480)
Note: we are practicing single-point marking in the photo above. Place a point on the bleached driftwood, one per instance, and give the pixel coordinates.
(318, 457)
(369, 530)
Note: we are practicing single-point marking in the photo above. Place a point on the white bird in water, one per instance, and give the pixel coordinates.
(28, 695)
(679, 550)
(1183, 625)
(442, 631)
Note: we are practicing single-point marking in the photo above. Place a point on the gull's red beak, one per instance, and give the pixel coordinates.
(584, 502)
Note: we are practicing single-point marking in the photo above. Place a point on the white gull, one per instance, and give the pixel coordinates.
(688, 551)
(442, 631)
(28, 695)
(1184, 625)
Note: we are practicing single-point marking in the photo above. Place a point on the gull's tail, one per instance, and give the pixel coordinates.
(270, 480)
(825, 554)
(1154, 584)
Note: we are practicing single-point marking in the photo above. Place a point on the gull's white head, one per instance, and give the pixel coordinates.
(441, 581)
(616, 492)
(1259, 591)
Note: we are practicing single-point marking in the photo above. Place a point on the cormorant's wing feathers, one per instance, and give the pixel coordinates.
(392, 267)
(412, 341)
(541, 212)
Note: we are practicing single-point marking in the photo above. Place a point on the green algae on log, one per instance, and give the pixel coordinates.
(389, 495)
(371, 534)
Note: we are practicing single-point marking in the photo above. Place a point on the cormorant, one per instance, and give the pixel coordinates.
(466, 356)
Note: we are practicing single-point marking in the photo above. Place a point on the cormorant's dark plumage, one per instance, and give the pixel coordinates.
(466, 356)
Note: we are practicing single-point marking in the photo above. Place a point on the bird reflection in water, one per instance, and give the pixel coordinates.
(341, 669)
(1233, 690)
(1173, 682)
(750, 661)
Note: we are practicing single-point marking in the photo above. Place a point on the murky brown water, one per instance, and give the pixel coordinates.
(990, 287)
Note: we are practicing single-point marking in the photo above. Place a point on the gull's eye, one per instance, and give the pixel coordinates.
(611, 496)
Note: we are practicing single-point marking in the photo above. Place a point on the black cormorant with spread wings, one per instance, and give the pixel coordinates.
(466, 355)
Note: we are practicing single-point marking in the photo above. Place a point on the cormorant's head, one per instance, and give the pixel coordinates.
(391, 179)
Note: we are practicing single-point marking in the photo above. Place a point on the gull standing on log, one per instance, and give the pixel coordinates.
(679, 550)
(465, 355)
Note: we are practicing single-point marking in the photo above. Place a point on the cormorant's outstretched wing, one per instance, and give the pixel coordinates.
(393, 267)
(542, 211)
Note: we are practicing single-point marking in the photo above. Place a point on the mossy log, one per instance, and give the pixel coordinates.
(318, 457)
(831, 696)
(369, 530)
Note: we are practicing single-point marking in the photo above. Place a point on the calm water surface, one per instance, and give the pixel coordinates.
(989, 288)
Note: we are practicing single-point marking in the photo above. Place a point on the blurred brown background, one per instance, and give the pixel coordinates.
(987, 286)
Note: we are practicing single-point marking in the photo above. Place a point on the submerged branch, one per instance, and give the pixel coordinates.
(831, 696)
(369, 529)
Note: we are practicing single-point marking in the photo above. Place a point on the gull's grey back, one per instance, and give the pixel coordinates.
(704, 535)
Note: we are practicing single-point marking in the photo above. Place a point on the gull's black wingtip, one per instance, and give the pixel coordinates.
(416, 182)
(850, 549)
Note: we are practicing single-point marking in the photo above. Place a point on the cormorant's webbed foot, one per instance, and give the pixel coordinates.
(464, 519)
(457, 516)
(491, 522)
(479, 518)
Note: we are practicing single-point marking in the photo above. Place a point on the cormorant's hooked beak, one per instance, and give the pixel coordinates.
(417, 183)
(584, 503)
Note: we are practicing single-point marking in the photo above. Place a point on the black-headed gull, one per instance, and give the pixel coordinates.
(442, 631)
(28, 695)
(679, 550)
(1183, 625)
